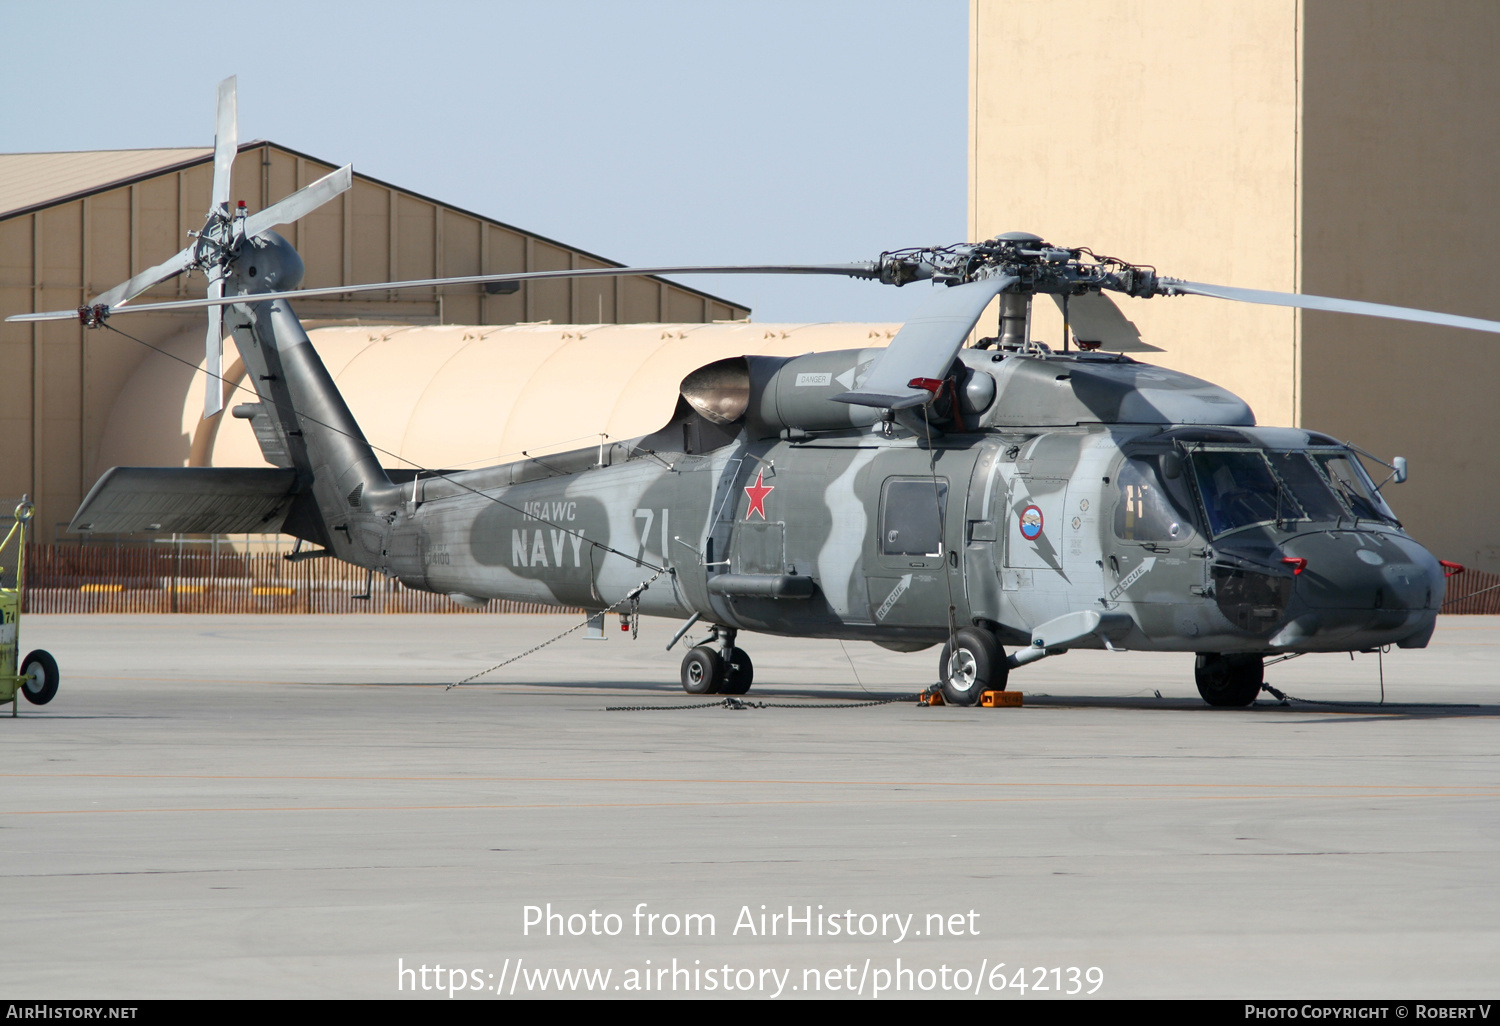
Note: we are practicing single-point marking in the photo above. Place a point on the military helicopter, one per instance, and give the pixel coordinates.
(1002, 495)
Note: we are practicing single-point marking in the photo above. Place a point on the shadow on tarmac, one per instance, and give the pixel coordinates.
(670, 694)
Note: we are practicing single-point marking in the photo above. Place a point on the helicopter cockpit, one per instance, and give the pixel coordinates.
(1221, 483)
(1241, 488)
(1299, 548)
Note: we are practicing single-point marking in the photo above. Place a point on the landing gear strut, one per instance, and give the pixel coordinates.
(721, 670)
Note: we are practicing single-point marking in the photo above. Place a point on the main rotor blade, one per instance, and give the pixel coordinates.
(865, 270)
(226, 143)
(1353, 306)
(213, 350)
(127, 290)
(302, 202)
(925, 346)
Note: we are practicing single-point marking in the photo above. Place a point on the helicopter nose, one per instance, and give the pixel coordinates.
(1363, 588)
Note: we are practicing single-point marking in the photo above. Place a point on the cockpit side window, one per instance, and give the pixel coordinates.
(1149, 507)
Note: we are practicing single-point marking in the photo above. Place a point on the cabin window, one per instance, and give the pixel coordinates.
(911, 516)
(1150, 508)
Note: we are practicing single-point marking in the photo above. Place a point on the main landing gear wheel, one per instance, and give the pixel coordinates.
(971, 665)
(738, 673)
(40, 671)
(1229, 680)
(702, 671)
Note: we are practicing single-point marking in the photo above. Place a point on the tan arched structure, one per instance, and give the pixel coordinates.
(75, 224)
(456, 397)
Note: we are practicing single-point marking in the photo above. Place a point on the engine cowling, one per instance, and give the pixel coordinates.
(772, 394)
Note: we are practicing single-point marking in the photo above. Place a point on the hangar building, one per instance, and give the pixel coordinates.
(75, 224)
(1335, 147)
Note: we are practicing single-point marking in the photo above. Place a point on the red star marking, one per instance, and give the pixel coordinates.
(758, 492)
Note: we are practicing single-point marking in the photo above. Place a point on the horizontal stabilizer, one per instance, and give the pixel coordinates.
(187, 500)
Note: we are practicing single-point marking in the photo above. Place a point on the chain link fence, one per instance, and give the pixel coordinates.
(186, 578)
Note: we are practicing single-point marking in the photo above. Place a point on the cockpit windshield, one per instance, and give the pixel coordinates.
(1353, 487)
(1242, 487)
(1309, 487)
(1238, 489)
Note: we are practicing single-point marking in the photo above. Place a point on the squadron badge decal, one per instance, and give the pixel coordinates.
(1031, 523)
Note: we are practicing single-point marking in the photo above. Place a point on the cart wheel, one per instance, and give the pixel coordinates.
(40, 672)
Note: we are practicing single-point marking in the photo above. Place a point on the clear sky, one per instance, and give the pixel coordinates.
(656, 131)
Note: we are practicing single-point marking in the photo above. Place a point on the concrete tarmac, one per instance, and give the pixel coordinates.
(268, 806)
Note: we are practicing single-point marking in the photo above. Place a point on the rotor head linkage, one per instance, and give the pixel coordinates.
(1036, 265)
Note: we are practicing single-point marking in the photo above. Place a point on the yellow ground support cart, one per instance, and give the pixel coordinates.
(38, 677)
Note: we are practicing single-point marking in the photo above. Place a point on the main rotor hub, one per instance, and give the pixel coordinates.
(1037, 266)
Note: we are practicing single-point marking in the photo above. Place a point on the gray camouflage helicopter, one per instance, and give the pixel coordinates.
(977, 498)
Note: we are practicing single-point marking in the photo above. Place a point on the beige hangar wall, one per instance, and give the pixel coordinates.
(1336, 147)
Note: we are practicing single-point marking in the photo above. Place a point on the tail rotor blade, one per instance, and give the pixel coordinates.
(226, 143)
(925, 346)
(213, 386)
(126, 290)
(1353, 306)
(302, 202)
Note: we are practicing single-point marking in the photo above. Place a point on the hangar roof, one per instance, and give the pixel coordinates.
(31, 181)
